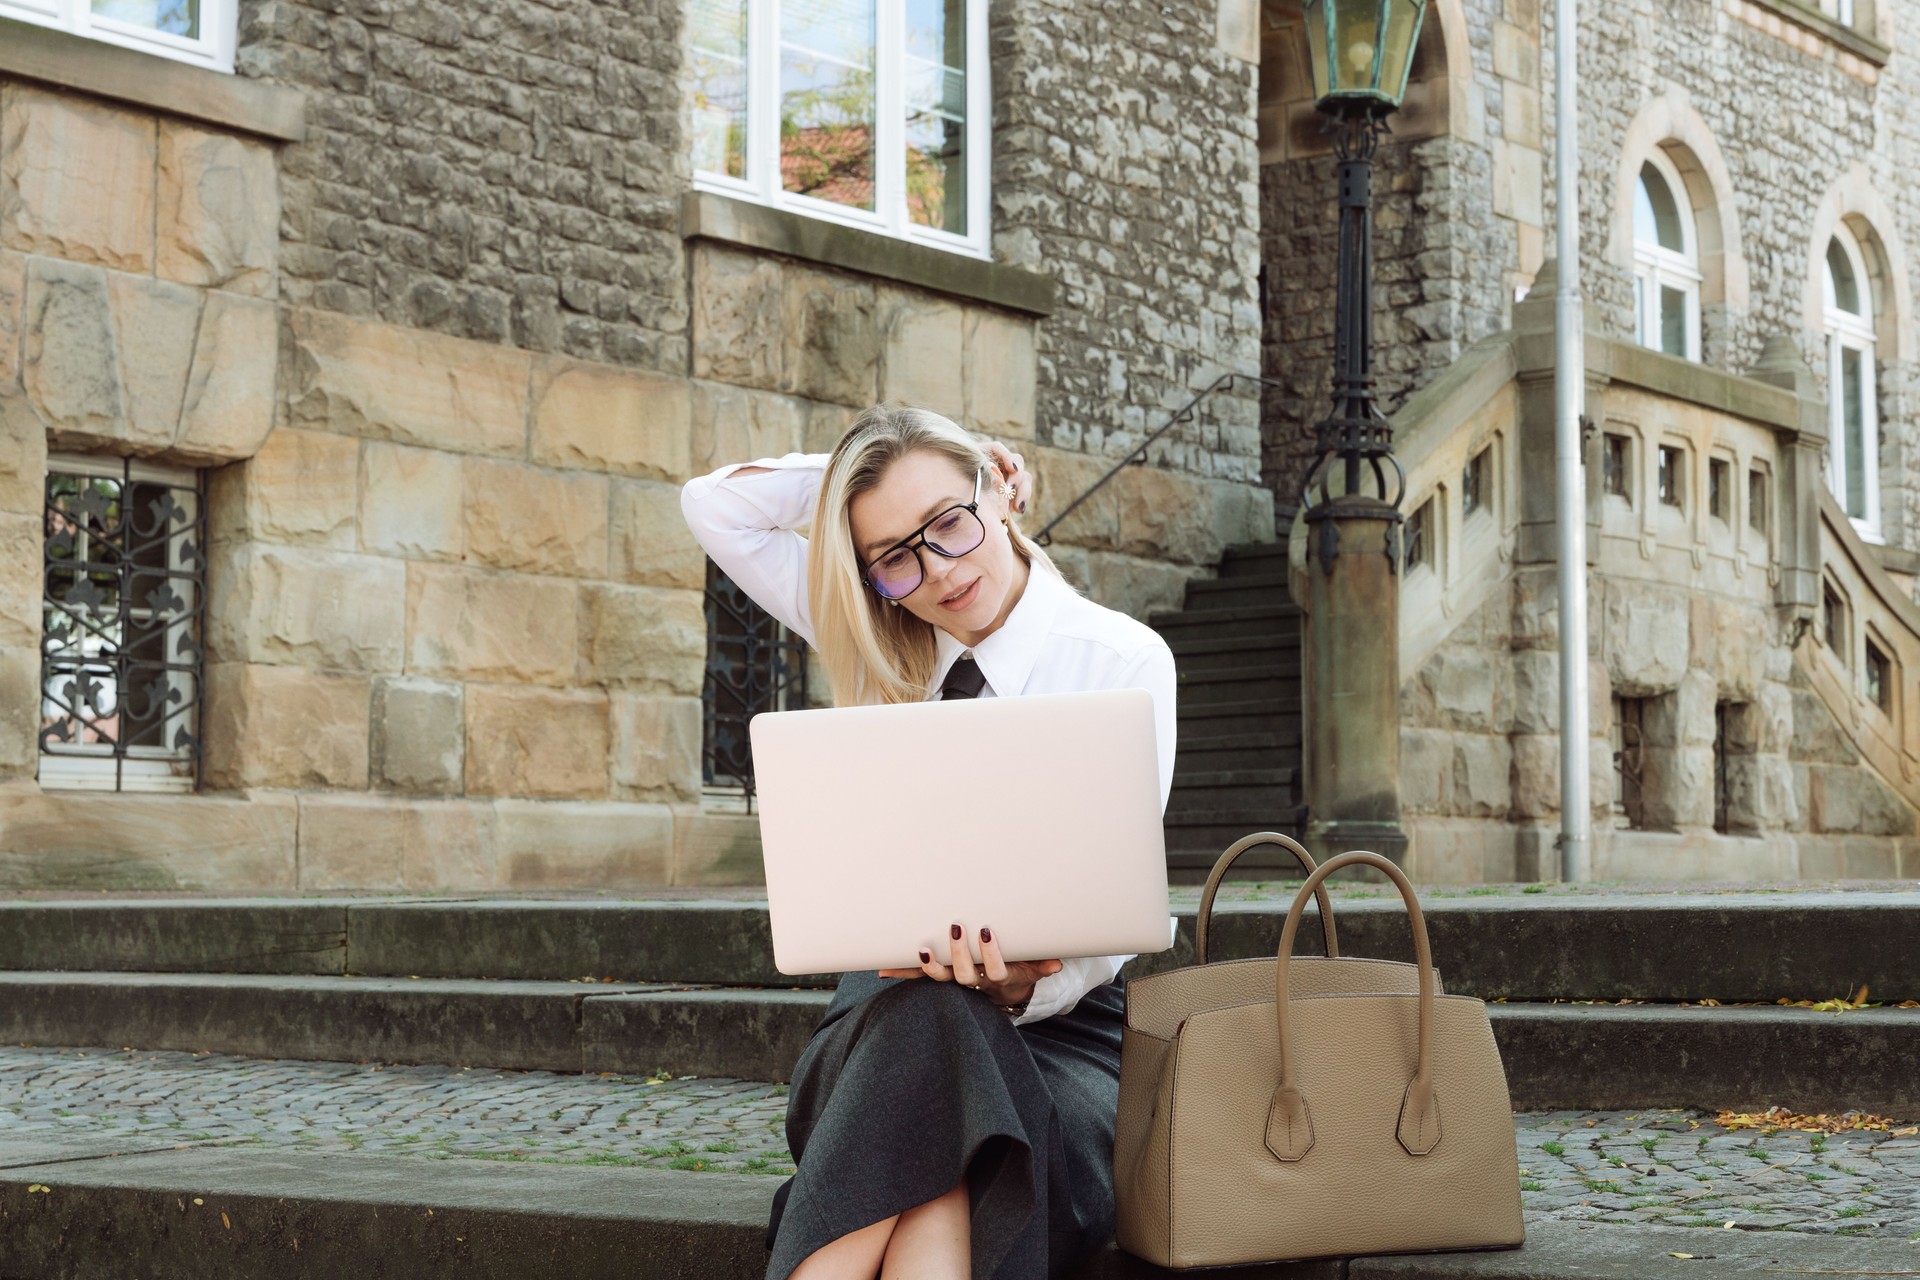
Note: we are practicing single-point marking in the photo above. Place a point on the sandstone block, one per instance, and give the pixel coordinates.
(230, 394)
(301, 488)
(1466, 690)
(219, 210)
(468, 624)
(1536, 611)
(76, 179)
(85, 840)
(562, 845)
(383, 844)
(407, 385)
(19, 712)
(412, 501)
(644, 639)
(22, 541)
(731, 425)
(1000, 374)
(922, 352)
(605, 419)
(23, 456)
(831, 337)
(1855, 801)
(1645, 637)
(1677, 787)
(1426, 771)
(1817, 738)
(650, 544)
(1136, 587)
(1536, 691)
(737, 314)
(826, 423)
(1775, 713)
(656, 747)
(1059, 477)
(717, 848)
(304, 607)
(270, 726)
(538, 743)
(521, 517)
(419, 735)
(1482, 775)
(1536, 775)
(69, 366)
(1168, 515)
(13, 302)
(155, 323)
(1741, 638)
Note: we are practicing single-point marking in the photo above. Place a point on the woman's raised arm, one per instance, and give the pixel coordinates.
(747, 518)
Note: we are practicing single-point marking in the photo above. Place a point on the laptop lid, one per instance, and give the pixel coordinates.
(1038, 817)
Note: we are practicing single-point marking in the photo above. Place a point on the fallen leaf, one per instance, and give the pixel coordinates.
(198, 1200)
(1679, 1255)
(225, 1222)
(41, 1188)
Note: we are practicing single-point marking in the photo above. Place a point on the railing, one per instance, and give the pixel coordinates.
(1184, 414)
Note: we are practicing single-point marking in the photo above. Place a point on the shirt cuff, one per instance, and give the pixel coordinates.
(1058, 993)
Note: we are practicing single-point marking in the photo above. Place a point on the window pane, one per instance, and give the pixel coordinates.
(174, 17)
(1846, 289)
(1757, 500)
(718, 30)
(827, 100)
(1854, 424)
(1656, 214)
(1673, 321)
(936, 98)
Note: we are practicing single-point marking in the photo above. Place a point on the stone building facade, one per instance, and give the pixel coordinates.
(408, 331)
(1753, 698)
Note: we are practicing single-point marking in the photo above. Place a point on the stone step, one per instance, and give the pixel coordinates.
(1197, 779)
(1238, 591)
(1232, 750)
(1212, 718)
(1247, 559)
(1272, 790)
(1261, 620)
(1491, 943)
(227, 1213)
(1238, 653)
(1557, 1056)
(1210, 686)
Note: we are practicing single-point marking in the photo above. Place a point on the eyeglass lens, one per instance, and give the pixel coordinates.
(952, 534)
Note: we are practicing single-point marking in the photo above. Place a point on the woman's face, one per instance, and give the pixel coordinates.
(965, 596)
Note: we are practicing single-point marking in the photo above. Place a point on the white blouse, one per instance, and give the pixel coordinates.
(1054, 641)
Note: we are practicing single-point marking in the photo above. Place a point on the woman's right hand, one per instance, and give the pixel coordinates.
(1013, 470)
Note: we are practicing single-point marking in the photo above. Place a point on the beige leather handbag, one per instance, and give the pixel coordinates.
(1311, 1107)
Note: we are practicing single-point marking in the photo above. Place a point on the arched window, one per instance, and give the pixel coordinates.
(1666, 262)
(1854, 453)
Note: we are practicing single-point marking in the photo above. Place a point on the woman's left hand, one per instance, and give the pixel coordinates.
(1013, 471)
(1000, 980)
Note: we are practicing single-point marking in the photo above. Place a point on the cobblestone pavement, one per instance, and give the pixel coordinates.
(1672, 1168)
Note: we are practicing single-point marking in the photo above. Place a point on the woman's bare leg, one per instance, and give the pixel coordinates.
(854, 1256)
(933, 1241)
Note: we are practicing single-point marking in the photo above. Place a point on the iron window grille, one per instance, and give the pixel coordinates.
(123, 626)
(1629, 763)
(753, 665)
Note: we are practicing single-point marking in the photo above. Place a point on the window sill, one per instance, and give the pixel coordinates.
(67, 61)
(1862, 46)
(707, 216)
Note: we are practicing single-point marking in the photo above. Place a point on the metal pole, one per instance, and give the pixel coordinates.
(1569, 387)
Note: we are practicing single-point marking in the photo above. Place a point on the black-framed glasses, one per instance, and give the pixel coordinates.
(897, 572)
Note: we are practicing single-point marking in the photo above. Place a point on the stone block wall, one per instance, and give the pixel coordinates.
(446, 357)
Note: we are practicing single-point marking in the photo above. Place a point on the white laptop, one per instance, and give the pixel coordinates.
(1036, 816)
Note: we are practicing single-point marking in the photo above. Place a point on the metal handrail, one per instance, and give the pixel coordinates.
(1184, 414)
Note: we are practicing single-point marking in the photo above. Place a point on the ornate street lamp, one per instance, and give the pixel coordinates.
(1361, 51)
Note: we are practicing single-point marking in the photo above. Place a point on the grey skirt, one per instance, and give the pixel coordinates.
(909, 1087)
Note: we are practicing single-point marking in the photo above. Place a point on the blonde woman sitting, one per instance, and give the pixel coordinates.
(954, 1119)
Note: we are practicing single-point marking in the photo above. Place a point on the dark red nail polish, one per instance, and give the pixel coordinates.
(926, 957)
(956, 933)
(986, 934)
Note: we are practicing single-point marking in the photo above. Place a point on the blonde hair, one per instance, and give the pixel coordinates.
(872, 651)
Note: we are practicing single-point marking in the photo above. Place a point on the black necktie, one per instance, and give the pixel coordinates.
(964, 680)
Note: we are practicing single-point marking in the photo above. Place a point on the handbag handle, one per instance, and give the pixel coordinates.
(1203, 922)
(1289, 1123)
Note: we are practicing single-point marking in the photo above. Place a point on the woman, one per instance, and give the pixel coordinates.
(955, 1119)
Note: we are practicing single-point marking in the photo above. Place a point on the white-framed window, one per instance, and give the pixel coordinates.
(198, 31)
(1666, 262)
(123, 625)
(869, 113)
(1853, 452)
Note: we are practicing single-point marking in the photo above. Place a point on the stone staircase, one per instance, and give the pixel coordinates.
(686, 986)
(1236, 645)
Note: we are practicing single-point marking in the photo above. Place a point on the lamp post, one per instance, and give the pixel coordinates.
(1361, 51)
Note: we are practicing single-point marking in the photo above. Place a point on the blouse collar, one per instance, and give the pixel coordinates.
(1007, 656)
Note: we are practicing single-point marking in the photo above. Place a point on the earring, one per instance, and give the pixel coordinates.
(894, 603)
